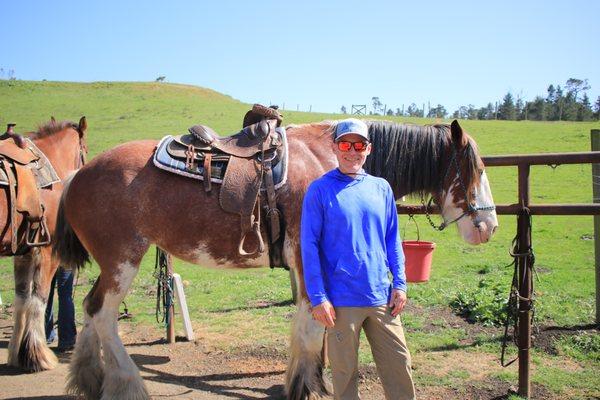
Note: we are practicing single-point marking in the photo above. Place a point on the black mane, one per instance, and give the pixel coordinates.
(409, 157)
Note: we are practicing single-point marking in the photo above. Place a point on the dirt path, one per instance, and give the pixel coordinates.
(194, 370)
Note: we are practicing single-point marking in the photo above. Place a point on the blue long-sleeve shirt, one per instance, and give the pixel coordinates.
(350, 241)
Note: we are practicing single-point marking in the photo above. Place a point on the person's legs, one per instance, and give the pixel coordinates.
(342, 342)
(388, 345)
(49, 316)
(67, 332)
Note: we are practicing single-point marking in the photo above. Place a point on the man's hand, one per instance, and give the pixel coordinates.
(397, 301)
(325, 314)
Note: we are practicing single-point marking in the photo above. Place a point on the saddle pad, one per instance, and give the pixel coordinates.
(163, 160)
(42, 169)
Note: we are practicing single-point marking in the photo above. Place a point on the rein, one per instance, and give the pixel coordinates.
(164, 286)
(471, 209)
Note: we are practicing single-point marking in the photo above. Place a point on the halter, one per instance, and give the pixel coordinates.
(471, 209)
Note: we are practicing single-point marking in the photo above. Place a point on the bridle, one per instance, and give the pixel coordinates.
(472, 209)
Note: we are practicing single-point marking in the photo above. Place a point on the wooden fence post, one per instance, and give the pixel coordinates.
(595, 136)
(525, 285)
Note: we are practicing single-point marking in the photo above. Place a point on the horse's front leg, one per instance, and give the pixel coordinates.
(304, 378)
(27, 348)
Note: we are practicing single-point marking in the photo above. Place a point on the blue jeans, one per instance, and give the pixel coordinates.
(67, 332)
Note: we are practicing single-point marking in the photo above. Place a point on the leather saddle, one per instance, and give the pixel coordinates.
(243, 165)
(18, 159)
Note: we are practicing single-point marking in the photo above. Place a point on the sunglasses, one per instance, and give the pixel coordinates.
(358, 146)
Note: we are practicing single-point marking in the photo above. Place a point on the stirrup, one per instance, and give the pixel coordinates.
(37, 233)
(261, 243)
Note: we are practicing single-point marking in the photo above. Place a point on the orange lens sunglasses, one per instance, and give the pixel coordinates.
(358, 146)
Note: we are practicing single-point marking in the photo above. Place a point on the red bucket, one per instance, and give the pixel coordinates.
(418, 255)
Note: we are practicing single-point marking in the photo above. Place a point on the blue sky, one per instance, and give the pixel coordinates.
(322, 54)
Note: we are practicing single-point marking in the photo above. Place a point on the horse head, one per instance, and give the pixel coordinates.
(55, 149)
(465, 197)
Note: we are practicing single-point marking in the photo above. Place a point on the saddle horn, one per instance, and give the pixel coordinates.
(260, 112)
(10, 133)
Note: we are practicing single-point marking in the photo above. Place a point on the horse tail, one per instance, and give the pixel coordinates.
(67, 247)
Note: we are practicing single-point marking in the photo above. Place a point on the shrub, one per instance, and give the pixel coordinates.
(486, 304)
(582, 346)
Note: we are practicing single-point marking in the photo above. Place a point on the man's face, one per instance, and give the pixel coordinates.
(350, 162)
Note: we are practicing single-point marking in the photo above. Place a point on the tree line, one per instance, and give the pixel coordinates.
(568, 103)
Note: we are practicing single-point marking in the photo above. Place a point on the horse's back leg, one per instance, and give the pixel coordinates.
(304, 376)
(122, 379)
(86, 373)
(27, 348)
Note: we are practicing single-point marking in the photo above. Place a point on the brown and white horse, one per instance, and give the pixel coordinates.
(119, 204)
(63, 143)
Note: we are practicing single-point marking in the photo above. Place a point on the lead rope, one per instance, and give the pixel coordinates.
(164, 286)
(411, 217)
(514, 297)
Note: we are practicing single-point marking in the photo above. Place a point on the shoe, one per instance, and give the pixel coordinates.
(65, 348)
(52, 338)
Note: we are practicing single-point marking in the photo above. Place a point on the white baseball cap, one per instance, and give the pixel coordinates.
(349, 126)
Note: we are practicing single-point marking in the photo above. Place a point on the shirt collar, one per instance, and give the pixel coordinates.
(360, 175)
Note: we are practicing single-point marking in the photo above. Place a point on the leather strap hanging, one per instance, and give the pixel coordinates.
(272, 210)
(207, 172)
(12, 183)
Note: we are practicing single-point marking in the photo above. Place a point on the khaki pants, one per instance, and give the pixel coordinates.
(388, 345)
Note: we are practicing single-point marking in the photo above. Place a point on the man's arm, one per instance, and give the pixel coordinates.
(395, 257)
(393, 244)
(311, 226)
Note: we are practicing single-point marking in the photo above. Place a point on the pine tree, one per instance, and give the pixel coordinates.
(551, 94)
(507, 108)
(537, 109)
(584, 110)
(558, 105)
(519, 109)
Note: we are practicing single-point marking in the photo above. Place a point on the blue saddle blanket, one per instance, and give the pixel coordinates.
(163, 160)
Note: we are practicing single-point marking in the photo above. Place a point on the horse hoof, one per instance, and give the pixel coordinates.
(33, 356)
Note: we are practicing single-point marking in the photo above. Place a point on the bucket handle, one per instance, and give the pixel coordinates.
(411, 217)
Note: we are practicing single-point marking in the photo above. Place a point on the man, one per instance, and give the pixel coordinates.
(67, 332)
(350, 243)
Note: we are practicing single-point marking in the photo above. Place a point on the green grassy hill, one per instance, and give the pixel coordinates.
(222, 301)
(119, 112)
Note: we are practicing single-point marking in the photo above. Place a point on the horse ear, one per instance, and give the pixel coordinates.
(82, 125)
(458, 136)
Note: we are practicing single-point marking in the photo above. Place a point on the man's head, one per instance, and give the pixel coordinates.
(351, 145)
